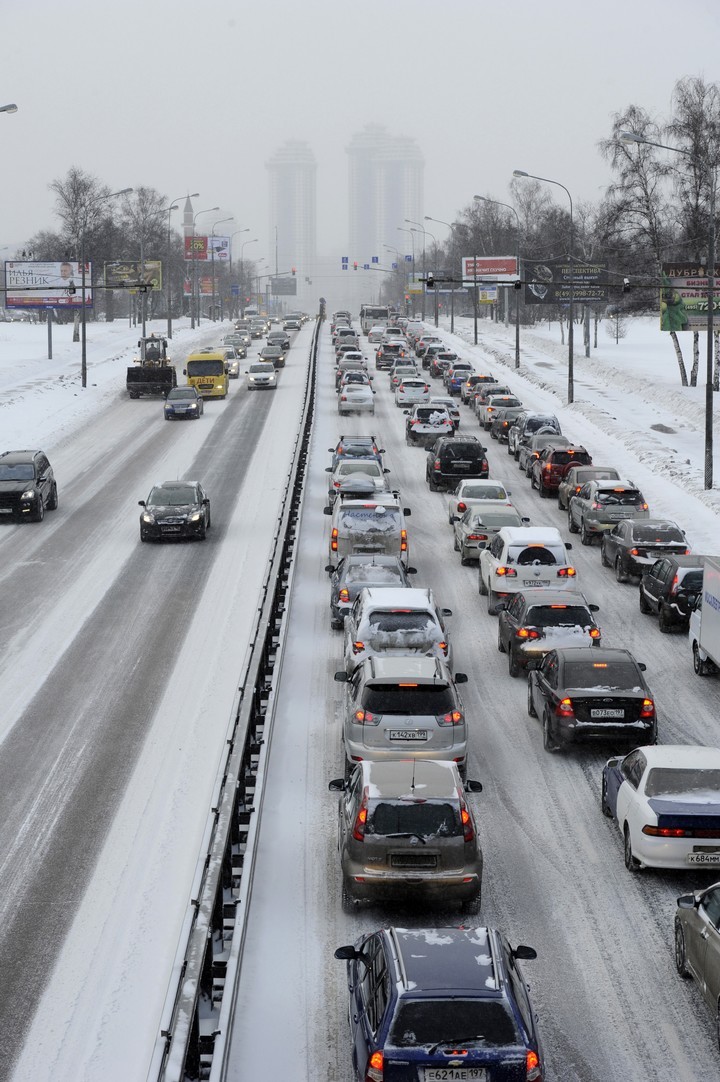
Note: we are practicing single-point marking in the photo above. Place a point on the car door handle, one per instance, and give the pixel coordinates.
(704, 934)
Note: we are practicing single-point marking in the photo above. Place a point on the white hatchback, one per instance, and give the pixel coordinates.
(410, 392)
(519, 558)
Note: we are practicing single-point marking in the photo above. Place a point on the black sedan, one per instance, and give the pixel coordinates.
(589, 693)
(175, 510)
(634, 545)
(274, 355)
(183, 402)
(354, 573)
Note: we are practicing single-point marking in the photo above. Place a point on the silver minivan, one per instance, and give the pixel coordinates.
(373, 524)
(406, 832)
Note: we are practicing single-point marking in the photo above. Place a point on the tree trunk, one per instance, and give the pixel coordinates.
(76, 327)
(696, 359)
(595, 329)
(562, 330)
(680, 361)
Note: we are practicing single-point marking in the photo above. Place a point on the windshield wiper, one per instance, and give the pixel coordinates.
(456, 1041)
(407, 834)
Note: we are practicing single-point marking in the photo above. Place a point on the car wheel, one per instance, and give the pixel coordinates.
(603, 800)
(501, 644)
(571, 522)
(482, 588)
(471, 907)
(561, 505)
(464, 558)
(664, 621)
(698, 664)
(491, 602)
(541, 489)
(348, 769)
(532, 712)
(349, 905)
(40, 513)
(432, 486)
(53, 501)
(585, 536)
(209, 521)
(508, 450)
(549, 739)
(603, 554)
(513, 666)
(643, 602)
(143, 536)
(620, 573)
(631, 863)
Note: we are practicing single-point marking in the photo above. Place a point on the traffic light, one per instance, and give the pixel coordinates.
(293, 270)
(71, 288)
(355, 265)
(517, 284)
(430, 280)
(626, 285)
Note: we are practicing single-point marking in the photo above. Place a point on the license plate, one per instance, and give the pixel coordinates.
(170, 529)
(606, 713)
(408, 734)
(5, 510)
(536, 582)
(703, 858)
(454, 1074)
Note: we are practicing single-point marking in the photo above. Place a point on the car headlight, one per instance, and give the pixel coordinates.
(28, 494)
(193, 406)
(196, 516)
(147, 517)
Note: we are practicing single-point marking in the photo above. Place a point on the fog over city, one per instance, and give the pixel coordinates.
(183, 98)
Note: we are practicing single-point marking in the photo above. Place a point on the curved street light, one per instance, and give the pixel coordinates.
(452, 286)
(508, 206)
(242, 271)
(212, 260)
(195, 306)
(545, 180)
(173, 206)
(12, 108)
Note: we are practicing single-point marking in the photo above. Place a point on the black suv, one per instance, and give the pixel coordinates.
(451, 459)
(670, 588)
(27, 485)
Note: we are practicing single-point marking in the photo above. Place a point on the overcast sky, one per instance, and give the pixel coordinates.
(187, 97)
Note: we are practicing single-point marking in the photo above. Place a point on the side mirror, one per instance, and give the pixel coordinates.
(337, 785)
(328, 469)
(471, 786)
(411, 571)
(642, 666)
(327, 510)
(501, 606)
(523, 953)
(184, 371)
(594, 608)
(346, 954)
(446, 612)
(329, 568)
(460, 678)
(141, 503)
(386, 470)
(407, 512)
(687, 901)
(568, 545)
(406, 413)
(341, 677)
(525, 521)
(206, 502)
(613, 762)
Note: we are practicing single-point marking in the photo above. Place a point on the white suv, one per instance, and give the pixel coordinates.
(387, 622)
(519, 558)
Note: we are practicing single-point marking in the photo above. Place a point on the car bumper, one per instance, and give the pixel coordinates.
(359, 753)
(181, 415)
(669, 852)
(183, 532)
(574, 731)
(365, 884)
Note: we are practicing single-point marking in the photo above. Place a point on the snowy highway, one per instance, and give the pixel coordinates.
(611, 1006)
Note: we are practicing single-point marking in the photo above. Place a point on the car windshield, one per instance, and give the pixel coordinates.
(20, 471)
(559, 616)
(422, 1022)
(400, 620)
(206, 368)
(182, 392)
(664, 532)
(617, 675)
(691, 782)
(177, 496)
(619, 497)
(426, 818)
(483, 492)
(408, 698)
(535, 554)
(369, 519)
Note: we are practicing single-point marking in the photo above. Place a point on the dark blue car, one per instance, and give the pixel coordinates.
(440, 1005)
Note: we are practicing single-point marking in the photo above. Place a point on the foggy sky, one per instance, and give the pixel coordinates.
(187, 97)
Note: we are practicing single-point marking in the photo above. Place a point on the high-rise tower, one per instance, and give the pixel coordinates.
(292, 235)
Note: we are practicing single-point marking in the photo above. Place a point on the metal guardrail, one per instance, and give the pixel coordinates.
(195, 1022)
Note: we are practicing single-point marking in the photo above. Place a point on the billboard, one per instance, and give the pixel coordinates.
(221, 247)
(283, 287)
(46, 285)
(204, 286)
(415, 284)
(684, 299)
(501, 268)
(129, 274)
(206, 249)
(487, 294)
(549, 282)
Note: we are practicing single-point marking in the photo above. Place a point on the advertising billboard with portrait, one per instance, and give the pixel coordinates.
(549, 282)
(683, 297)
(46, 285)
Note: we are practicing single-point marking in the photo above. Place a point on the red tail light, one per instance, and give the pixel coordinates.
(547, 467)
(642, 507)
(634, 552)
(366, 717)
(343, 398)
(357, 647)
(375, 1071)
(453, 717)
(595, 506)
(360, 821)
(436, 464)
(533, 1070)
(648, 709)
(477, 537)
(666, 832)
(506, 572)
(462, 507)
(344, 594)
(564, 709)
(566, 572)
(466, 819)
(675, 584)
(334, 539)
(527, 633)
(444, 647)
(594, 632)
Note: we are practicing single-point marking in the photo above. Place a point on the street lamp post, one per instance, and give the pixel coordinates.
(485, 199)
(83, 314)
(452, 284)
(545, 180)
(173, 206)
(631, 137)
(412, 238)
(242, 273)
(12, 108)
(212, 260)
(195, 306)
(398, 261)
(420, 225)
(235, 234)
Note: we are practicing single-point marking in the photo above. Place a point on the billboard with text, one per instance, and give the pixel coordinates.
(684, 299)
(498, 268)
(549, 282)
(46, 285)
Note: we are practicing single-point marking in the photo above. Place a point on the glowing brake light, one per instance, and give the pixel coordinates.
(675, 584)
(666, 832)
(375, 1067)
(358, 646)
(462, 506)
(366, 717)
(533, 1070)
(334, 539)
(344, 594)
(466, 819)
(477, 537)
(453, 717)
(566, 572)
(444, 647)
(360, 821)
(648, 709)
(594, 632)
(564, 709)
(527, 633)
(634, 552)
(506, 572)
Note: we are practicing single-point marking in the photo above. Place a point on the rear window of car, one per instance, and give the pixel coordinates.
(465, 452)
(401, 620)
(619, 497)
(436, 415)
(368, 518)
(559, 616)
(490, 520)
(561, 458)
(534, 423)
(660, 532)
(484, 492)
(428, 819)
(676, 781)
(618, 675)
(408, 699)
(420, 1022)
(365, 465)
(524, 555)
(377, 574)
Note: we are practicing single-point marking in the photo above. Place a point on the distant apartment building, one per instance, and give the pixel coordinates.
(293, 217)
